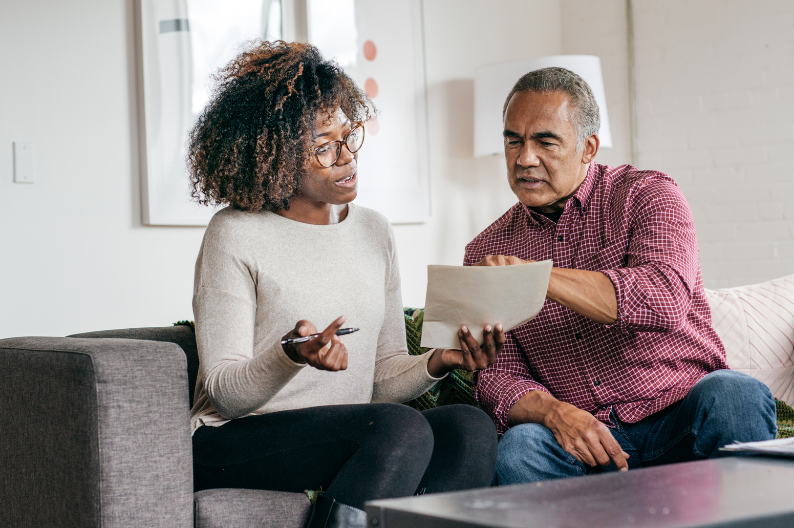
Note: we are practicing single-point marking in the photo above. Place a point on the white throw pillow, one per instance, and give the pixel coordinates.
(756, 325)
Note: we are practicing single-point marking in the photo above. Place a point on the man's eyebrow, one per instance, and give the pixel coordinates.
(510, 133)
(346, 123)
(545, 134)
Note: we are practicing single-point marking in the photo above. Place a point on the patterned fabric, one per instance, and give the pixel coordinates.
(785, 420)
(636, 228)
(458, 387)
(756, 325)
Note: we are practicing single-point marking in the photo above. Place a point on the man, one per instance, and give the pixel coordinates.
(621, 368)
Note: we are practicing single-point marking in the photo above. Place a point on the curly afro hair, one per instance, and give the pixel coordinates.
(250, 145)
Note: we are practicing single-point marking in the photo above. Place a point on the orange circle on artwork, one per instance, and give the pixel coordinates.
(372, 126)
(371, 87)
(369, 50)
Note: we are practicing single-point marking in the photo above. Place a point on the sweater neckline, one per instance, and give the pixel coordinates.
(287, 222)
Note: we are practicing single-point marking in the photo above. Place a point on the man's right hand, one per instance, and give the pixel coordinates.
(577, 431)
(316, 352)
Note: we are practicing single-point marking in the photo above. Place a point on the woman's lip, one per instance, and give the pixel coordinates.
(350, 183)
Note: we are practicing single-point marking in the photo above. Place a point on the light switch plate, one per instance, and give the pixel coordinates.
(23, 162)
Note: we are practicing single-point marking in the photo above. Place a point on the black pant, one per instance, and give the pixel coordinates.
(353, 452)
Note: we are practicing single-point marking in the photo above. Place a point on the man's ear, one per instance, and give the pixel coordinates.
(590, 148)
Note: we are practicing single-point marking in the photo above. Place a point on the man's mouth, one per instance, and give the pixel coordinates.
(347, 181)
(525, 180)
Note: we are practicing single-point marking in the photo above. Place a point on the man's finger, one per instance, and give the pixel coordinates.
(599, 453)
(583, 455)
(616, 453)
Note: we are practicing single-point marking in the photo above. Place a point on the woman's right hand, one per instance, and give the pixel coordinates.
(316, 352)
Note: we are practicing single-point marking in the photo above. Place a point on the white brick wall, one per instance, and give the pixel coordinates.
(715, 110)
(714, 82)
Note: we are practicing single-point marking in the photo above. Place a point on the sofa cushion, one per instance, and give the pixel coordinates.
(245, 508)
(756, 325)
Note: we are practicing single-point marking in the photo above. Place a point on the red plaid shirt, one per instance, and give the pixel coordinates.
(636, 228)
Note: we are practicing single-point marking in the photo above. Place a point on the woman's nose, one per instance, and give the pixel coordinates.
(345, 156)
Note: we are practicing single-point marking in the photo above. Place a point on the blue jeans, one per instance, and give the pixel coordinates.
(724, 407)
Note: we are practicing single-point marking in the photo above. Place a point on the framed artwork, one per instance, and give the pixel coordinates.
(380, 45)
(378, 42)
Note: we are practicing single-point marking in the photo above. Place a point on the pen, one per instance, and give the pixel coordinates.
(292, 340)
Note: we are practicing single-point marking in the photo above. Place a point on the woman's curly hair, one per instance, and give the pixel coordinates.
(250, 145)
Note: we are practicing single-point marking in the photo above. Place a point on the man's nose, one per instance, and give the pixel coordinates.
(527, 157)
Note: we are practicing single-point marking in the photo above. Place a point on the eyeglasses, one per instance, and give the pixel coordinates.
(328, 153)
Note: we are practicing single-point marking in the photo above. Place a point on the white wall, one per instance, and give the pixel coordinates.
(714, 84)
(715, 92)
(467, 193)
(73, 254)
(715, 109)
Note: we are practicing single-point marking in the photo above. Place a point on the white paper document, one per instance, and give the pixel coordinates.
(781, 446)
(480, 295)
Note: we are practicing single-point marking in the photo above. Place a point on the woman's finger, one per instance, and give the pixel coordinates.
(333, 354)
(474, 348)
(499, 337)
(344, 361)
(325, 336)
(466, 363)
(341, 357)
(304, 328)
(488, 347)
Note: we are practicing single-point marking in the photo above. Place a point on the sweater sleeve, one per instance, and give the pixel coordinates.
(399, 377)
(237, 382)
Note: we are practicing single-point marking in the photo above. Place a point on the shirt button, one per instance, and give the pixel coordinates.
(602, 407)
(559, 238)
(578, 336)
(596, 383)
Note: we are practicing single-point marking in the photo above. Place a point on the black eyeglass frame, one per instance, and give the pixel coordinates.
(343, 143)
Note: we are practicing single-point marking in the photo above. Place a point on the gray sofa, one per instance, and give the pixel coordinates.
(94, 431)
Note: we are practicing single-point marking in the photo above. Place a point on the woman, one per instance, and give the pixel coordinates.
(278, 145)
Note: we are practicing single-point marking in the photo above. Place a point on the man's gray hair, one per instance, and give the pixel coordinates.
(585, 117)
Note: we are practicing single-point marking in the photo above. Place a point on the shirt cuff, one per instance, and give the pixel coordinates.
(510, 397)
(617, 279)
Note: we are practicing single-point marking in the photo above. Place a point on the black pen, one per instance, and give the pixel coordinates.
(340, 332)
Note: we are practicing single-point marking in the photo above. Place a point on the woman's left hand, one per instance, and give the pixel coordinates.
(471, 355)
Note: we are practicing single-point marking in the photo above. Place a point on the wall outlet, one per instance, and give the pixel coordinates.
(23, 162)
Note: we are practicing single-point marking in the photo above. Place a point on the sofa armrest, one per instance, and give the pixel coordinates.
(94, 432)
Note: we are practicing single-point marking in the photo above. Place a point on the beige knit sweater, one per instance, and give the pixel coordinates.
(258, 274)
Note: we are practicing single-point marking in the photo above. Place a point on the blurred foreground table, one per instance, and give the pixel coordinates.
(737, 492)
